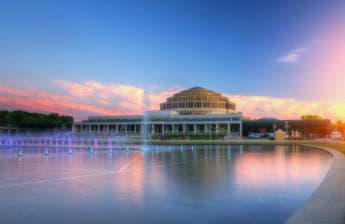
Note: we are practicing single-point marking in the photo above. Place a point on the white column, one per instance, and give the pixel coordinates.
(217, 128)
(163, 128)
(81, 128)
(152, 128)
(107, 125)
(172, 128)
(229, 131)
(184, 128)
(194, 128)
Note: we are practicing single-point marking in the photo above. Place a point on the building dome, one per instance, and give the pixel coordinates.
(198, 100)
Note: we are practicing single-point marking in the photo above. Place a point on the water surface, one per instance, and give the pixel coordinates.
(167, 184)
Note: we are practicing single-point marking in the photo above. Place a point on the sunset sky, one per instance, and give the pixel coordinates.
(274, 58)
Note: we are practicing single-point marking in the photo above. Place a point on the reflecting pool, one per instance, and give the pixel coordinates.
(166, 184)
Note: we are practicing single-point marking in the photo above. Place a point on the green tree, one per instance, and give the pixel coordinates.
(4, 118)
(27, 120)
(310, 117)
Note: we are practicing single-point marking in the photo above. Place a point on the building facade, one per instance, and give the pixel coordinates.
(193, 111)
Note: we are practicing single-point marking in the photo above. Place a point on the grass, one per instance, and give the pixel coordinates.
(338, 146)
(189, 136)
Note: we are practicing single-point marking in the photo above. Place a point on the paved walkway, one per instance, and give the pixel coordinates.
(327, 204)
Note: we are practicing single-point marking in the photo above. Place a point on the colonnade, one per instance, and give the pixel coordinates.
(159, 128)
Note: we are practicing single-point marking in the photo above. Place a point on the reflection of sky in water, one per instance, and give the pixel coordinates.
(168, 184)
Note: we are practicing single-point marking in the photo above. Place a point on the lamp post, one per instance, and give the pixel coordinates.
(274, 127)
(286, 128)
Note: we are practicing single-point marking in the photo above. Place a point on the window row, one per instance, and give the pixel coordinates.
(194, 98)
(167, 106)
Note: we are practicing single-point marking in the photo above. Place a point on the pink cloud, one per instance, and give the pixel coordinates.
(95, 98)
(42, 101)
(287, 108)
(125, 99)
(81, 99)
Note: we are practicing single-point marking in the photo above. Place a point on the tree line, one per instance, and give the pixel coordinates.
(40, 121)
(339, 125)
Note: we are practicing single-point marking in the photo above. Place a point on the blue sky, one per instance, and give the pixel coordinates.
(234, 47)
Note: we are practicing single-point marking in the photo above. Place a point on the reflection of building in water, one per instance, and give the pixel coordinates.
(195, 110)
(282, 162)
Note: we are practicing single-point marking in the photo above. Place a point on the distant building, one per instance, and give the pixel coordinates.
(305, 128)
(279, 135)
(195, 110)
(8, 130)
(336, 135)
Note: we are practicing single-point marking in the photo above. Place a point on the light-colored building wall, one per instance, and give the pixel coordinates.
(228, 124)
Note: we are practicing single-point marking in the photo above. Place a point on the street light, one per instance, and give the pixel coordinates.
(287, 128)
(274, 127)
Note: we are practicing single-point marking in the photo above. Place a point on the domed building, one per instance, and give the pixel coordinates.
(193, 111)
(198, 100)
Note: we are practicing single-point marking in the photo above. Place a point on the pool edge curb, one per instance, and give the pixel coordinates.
(327, 204)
